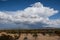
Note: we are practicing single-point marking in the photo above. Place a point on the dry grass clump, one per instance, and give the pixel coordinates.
(7, 36)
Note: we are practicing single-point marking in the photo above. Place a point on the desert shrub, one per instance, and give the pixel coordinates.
(6, 36)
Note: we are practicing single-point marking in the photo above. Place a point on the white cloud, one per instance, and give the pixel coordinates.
(36, 13)
(40, 10)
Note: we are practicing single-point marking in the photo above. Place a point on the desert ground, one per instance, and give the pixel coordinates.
(29, 35)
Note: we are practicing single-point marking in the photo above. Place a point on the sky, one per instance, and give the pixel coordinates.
(29, 14)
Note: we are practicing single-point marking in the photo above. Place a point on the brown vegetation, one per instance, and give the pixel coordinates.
(7, 36)
(40, 34)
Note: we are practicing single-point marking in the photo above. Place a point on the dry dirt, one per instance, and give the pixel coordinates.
(39, 37)
(28, 36)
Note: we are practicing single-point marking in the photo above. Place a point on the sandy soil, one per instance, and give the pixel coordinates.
(39, 37)
(29, 36)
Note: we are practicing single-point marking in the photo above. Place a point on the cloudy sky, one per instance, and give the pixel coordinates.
(29, 14)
